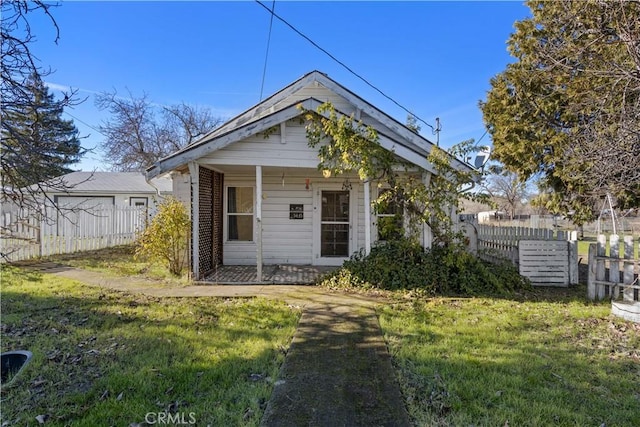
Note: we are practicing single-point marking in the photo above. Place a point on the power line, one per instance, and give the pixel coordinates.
(483, 135)
(83, 122)
(301, 34)
(266, 55)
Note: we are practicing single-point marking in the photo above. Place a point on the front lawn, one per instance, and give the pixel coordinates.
(544, 358)
(104, 358)
(121, 261)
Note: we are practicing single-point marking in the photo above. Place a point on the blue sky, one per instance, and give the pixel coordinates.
(433, 58)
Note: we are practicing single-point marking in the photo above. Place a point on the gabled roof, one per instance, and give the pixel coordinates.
(106, 182)
(275, 109)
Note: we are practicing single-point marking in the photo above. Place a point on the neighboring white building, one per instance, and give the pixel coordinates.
(259, 196)
(106, 189)
(87, 190)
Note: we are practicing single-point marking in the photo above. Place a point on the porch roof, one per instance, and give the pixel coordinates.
(393, 135)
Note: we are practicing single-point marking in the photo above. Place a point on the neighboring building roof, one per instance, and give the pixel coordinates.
(107, 182)
(282, 106)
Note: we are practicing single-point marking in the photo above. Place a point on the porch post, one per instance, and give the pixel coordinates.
(367, 217)
(259, 221)
(427, 237)
(194, 172)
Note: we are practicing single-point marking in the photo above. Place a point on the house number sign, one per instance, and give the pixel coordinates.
(296, 211)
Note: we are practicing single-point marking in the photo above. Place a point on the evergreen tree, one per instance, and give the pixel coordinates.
(567, 110)
(37, 143)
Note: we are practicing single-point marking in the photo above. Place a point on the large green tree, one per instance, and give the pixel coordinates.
(568, 109)
(38, 143)
(23, 159)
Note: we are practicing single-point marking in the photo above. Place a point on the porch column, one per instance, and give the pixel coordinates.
(367, 217)
(259, 221)
(194, 172)
(426, 231)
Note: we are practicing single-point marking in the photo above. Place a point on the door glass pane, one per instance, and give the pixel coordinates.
(335, 240)
(334, 227)
(335, 206)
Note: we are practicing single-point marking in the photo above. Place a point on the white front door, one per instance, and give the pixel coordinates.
(334, 210)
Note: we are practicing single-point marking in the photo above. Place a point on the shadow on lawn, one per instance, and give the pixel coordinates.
(110, 358)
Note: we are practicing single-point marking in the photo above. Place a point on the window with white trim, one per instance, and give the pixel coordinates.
(390, 218)
(240, 214)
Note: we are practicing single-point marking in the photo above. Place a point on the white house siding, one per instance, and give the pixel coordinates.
(322, 94)
(285, 240)
(182, 188)
(319, 92)
(268, 151)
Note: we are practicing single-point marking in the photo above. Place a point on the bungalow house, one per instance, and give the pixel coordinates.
(256, 195)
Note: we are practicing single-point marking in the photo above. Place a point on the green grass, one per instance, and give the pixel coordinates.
(545, 358)
(583, 248)
(120, 261)
(104, 358)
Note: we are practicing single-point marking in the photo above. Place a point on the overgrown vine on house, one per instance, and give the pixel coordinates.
(346, 146)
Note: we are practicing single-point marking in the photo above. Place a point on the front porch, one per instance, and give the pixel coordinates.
(271, 275)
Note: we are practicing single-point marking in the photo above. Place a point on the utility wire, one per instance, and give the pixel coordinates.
(83, 122)
(342, 63)
(266, 55)
(483, 135)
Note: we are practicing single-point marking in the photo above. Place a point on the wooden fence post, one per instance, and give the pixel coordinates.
(600, 266)
(591, 278)
(573, 258)
(627, 269)
(614, 264)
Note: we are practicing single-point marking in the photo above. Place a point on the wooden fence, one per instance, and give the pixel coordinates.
(545, 257)
(615, 276)
(52, 233)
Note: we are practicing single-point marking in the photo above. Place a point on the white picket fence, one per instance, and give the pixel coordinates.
(616, 276)
(37, 235)
(545, 257)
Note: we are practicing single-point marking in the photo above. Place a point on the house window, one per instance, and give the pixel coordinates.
(389, 217)
(240, 214)
(138, 201)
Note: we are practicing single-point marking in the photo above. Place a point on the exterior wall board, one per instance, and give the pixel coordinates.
(285, 240)
(320, 93)
(261, 150)
(182, 188)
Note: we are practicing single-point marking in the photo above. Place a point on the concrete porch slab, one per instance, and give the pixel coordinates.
(271, 275)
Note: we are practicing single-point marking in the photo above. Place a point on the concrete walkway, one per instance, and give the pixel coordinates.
(337, 371)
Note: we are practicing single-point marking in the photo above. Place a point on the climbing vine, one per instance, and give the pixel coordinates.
(347, 146)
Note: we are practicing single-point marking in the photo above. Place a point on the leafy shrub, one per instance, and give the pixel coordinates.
(403, 264)
(167, 236)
